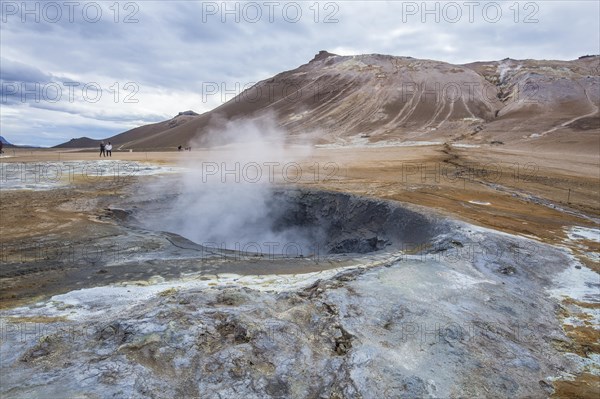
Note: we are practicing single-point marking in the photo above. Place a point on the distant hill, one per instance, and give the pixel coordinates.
(131, 138)
(372, 98)
(6, 144)
(82, 142)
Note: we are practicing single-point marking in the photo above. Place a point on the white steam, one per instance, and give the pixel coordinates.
(226, 198)
(505, 68)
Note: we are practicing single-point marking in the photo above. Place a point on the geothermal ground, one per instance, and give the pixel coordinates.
(388, 271)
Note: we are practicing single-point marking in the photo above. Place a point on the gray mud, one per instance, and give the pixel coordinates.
(316, 221)
(470, 320)
(308, 231)
(420, 307)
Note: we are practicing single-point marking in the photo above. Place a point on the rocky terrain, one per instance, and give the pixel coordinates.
(368, 99)
(402, 301)
(439, 238)
(447, 309)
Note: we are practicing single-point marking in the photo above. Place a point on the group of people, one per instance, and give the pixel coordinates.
(106, 149)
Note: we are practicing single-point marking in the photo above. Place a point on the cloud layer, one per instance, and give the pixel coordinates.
(72, 69)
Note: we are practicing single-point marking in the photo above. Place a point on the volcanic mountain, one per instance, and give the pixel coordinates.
(368, 99)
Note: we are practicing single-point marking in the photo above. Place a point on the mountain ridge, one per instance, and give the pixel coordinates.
(344, 100)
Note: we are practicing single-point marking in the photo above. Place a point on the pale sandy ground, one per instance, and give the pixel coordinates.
(521, 191)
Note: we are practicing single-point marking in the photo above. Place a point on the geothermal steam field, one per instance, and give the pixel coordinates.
(193, 204)
(201, 280)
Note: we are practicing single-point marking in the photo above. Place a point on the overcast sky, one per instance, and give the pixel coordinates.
(95, 69)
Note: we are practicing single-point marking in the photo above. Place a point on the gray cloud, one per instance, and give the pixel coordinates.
(175, 48)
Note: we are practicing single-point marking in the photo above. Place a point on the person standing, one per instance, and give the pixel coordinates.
(102, 149)
(108, 149)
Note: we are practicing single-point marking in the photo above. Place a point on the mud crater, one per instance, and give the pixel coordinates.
(345, 223)
(322, 221)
